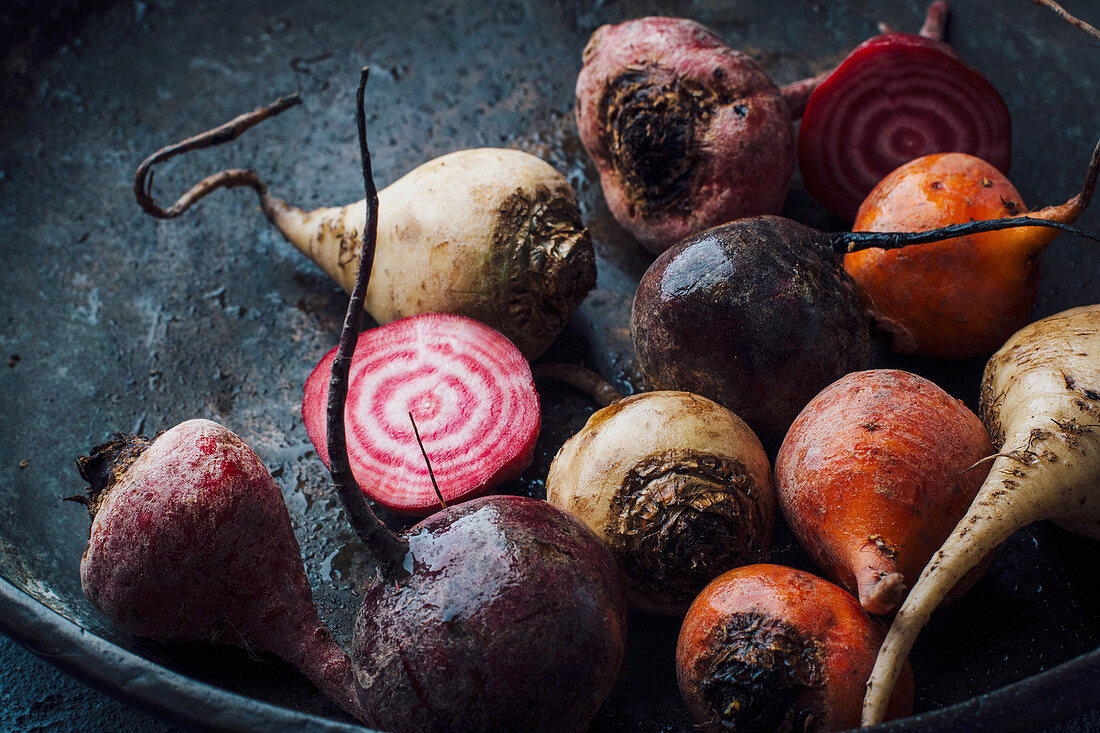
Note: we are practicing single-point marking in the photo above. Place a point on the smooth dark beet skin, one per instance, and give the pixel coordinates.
(756, 314)
(512, 618)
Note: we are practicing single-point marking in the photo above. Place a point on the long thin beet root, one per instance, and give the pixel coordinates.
(470, 391)
(500, 613)
(1040, 401)
(894, 98)
(191, 542)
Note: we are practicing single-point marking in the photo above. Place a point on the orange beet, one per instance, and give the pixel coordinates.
(961, 297)
(874, 474)
(769, 648)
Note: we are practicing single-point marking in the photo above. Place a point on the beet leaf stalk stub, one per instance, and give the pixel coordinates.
(844, 242)
(388, 549)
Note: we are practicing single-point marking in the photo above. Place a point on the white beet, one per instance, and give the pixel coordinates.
(489, 233)
(1041, 403)
(678, 487)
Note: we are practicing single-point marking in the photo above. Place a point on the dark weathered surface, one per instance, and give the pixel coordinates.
(111, 320)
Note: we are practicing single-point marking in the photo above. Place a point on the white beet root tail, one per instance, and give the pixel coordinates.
(1041, 401)
(988, 519)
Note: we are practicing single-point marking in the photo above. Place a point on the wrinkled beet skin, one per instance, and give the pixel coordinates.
(194, 544)
(729, 145)
(513, 618)
(757, 315)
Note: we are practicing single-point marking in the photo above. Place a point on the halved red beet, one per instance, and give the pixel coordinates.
(896, 97)
(469, 389)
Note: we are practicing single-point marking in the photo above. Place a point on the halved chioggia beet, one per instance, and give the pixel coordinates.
(469, 390)
(896, 97)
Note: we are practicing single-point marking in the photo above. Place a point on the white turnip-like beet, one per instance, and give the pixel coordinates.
(1040, 400)
(191, 542)
(685, 131)
(491, 234)
(436, 384)
(677, 486)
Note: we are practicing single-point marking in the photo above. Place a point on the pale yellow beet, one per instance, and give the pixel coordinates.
(488, 233)
(1041, 404)
(677, 485)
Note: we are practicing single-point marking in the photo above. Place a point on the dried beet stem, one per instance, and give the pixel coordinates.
(586, 380)
(105, 466)
(1071, 19)
(847, 242)
(387, 548)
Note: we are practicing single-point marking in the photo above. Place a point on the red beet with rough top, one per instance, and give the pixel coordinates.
(686, 132)
(191, 542)
(512, 618)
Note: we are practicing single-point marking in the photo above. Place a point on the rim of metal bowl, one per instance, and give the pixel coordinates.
(1066, 690)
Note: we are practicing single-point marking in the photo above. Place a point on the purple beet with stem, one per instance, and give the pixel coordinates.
(503, 613)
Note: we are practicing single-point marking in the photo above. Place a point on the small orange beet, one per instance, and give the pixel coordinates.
(873, 475)
(960, 297)
(769, 648)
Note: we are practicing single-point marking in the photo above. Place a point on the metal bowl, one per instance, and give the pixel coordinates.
(114, 321)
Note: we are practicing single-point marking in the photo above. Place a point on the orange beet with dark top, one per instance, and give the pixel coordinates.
(874, 474)
(960, 297)
(768, 648)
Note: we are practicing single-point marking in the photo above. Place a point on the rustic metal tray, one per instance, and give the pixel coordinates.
(113, 321)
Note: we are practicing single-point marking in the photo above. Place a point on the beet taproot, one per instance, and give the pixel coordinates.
(677, 486)
(1040, 401)
(767, 648)
(191, 542)
(873, 475)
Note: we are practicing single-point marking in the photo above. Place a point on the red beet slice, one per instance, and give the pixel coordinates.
(896, 97)
(469, 389)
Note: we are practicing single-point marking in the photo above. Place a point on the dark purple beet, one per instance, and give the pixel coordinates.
(759, 314)
(756, 314)
(512, 618)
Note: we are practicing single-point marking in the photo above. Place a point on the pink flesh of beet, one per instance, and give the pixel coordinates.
(192, 543)
(896, 97)
(470, 391)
